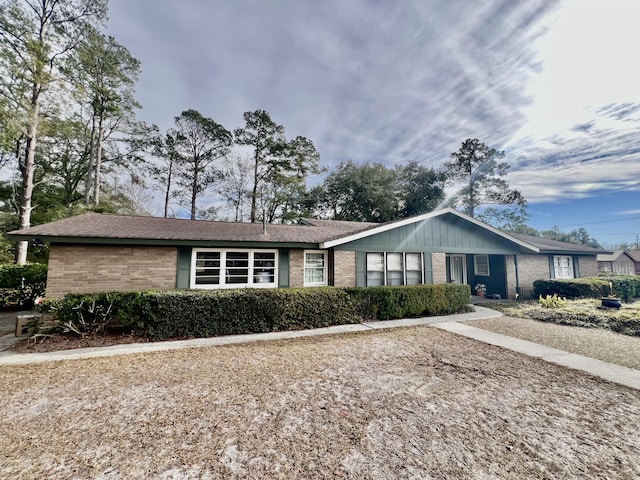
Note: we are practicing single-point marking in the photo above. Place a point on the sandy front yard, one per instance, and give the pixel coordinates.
(404, 403)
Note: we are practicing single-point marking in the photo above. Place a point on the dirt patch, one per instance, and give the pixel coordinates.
(595, 343)
(403, 403)
(68, 342)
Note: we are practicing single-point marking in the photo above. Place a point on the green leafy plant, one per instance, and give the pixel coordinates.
(552, 301)
(626, 287)
(198, 313)
(21, 285)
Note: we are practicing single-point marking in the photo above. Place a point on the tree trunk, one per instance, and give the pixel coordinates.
(27, 173)
(471, 208)
(89, 182)
(194, 194)
(254, 193)
(98, 165)
(168, 191)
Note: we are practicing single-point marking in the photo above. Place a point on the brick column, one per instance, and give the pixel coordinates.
(439, 266)
(344, 268)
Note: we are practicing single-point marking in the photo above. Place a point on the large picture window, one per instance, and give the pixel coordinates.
(233, 268)
(315, 269)
(563, 266)
(394, 268)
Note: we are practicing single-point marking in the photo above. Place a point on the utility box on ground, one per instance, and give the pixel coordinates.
(24, 323)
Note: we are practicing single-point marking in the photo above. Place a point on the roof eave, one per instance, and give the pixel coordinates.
(167, 242)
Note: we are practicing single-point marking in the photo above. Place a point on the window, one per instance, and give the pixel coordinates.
(394, 268)
(395, 272)
(233, 268)
(375, 269)
(414, 268)
(563, 266)
(605, 267)
(481, 265)
(315, 269)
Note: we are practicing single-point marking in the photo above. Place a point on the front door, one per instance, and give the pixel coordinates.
(457, 269)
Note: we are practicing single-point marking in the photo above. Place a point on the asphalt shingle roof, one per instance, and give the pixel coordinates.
(546, 245)
(106, 226)
(96, 227)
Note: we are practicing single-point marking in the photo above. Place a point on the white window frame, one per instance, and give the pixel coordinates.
(223, 256)
(404, 266)
(558, 267)
(324, 269)
(477, 271)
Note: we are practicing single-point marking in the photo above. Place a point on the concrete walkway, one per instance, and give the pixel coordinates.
(451, 323)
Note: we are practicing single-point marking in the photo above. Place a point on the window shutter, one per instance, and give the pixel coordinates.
(183, 273)
(283, 269)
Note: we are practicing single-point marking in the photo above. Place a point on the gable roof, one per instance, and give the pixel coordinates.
(323, 234)
(634, 254)
(613, 256)
(106, 227)
(379, 228)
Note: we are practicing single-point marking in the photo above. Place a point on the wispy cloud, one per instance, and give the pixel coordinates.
(396, 81)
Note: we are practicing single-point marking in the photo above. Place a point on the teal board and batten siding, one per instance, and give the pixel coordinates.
(447, 234)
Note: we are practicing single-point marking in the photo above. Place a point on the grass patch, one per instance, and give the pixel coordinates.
(582, 313)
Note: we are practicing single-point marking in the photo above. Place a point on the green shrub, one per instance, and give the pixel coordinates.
(20, 285)
(552, 301)
(624, 286)
(385, 303)
(191, 313)
(205, 313)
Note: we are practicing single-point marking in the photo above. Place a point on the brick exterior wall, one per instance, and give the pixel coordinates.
(510, 272)
(97, 268)
(439, 266)
(530, 269)
(344, 268)
(588, 266)
(296, 268)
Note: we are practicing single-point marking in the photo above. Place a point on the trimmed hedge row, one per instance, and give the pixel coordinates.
(197, 313)
(20, 285)
(624, 286)
(386, 303)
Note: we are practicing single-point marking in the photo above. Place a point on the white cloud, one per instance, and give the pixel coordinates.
(553, 83)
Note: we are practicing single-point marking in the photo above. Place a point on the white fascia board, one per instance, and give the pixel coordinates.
(419, 218)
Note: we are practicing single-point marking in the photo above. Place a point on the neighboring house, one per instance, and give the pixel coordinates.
(98, 252)
(619, 262)
(635, 256)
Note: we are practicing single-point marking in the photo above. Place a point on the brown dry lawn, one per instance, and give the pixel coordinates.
(403, 403)
(597, 343)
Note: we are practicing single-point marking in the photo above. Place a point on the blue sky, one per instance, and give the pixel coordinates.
(553, 83)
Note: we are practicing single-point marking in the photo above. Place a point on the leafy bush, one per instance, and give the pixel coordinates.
(198, 313)
(385, 303)
(552, 301)
(624, 286)
(191, 313)
(20, 285)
